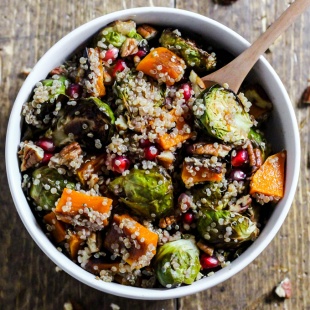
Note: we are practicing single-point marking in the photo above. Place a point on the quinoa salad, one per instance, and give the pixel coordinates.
(139, 174)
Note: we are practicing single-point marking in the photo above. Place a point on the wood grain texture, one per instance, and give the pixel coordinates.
(29, 279)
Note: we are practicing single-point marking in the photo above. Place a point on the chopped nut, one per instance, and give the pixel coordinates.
(129, 47)
(306, 96)
(255, 157)
(71, 151)
(205, 248)
(167, 221)
(209, 149)
(146, 31)
(31, 155)
(94, 242)
(284, 289)
(166, 158)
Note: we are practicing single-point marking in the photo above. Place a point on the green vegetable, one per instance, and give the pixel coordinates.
(194, 57)
(225, 229)
(258, 140)
(177, 262)
(47, 99)
(89, 121)
(148, 193)
(210, 195)
(133, 102)
(47, 186)
(117, 32)
(219, 111)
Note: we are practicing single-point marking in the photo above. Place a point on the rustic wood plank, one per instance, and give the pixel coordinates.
(29, 279)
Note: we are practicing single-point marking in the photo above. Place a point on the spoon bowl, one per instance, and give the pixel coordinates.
(236, 71)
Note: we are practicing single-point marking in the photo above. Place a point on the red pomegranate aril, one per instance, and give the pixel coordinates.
(74, 91)
(144, 143)
(240, 158)
(237, 175)
(187, 91)
(120, 66)
(188, 218)
(111, 54)
(151, 152)
(46, 144)
(46, 158)
(208, 262)
(120, 164)
(141, 53)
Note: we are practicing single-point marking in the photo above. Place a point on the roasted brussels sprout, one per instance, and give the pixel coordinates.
(193, 56)
(225, 229)
(148, 193)
(88, 121)
(136, 104)
(177, 262)
(220, 112)
(210, 196)
(47, 99)
(47, 186)
(117, 32)
(258, 140)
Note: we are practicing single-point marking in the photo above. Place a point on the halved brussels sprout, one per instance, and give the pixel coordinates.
(148, 193)
(193, 56)
(177, 262)
(47, 99)
(222, 115)
(210, 195)
(88, 121)
(47, 186)
(225, 229)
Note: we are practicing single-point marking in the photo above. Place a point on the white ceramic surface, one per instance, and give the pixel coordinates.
(284, 136)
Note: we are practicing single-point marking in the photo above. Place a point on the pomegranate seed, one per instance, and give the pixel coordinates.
(120, 163)
(74, 91)
(187, 91)
(188, 218)
(141, 52)
(46, 144)
(112, 54)
(237, 175)
(46, 158)
(119, 67)
(150, 152)
(240, 158)
(144, 143)
(184, 202)
(208, 262)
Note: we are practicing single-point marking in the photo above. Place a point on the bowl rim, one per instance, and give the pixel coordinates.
(76, 271)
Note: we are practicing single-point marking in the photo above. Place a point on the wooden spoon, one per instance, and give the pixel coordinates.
(235, 72)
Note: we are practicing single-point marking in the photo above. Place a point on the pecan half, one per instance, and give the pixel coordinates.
(30, 155)
(167, 221)
(146, 31)
(205, 248)
(129, 47)
(211, 149)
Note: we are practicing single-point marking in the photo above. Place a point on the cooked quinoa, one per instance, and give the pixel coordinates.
(123, 165)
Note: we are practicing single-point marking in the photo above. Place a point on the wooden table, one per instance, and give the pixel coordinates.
(29, 279)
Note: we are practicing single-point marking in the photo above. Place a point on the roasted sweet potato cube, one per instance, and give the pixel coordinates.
(191, 176)
(80, 209)
(55, 227)
(163, 65)
(134, 242)
(75, 243)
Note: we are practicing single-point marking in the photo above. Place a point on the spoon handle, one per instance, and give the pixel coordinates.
(237, 70)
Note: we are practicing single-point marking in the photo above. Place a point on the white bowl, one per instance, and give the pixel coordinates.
(284, 136)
